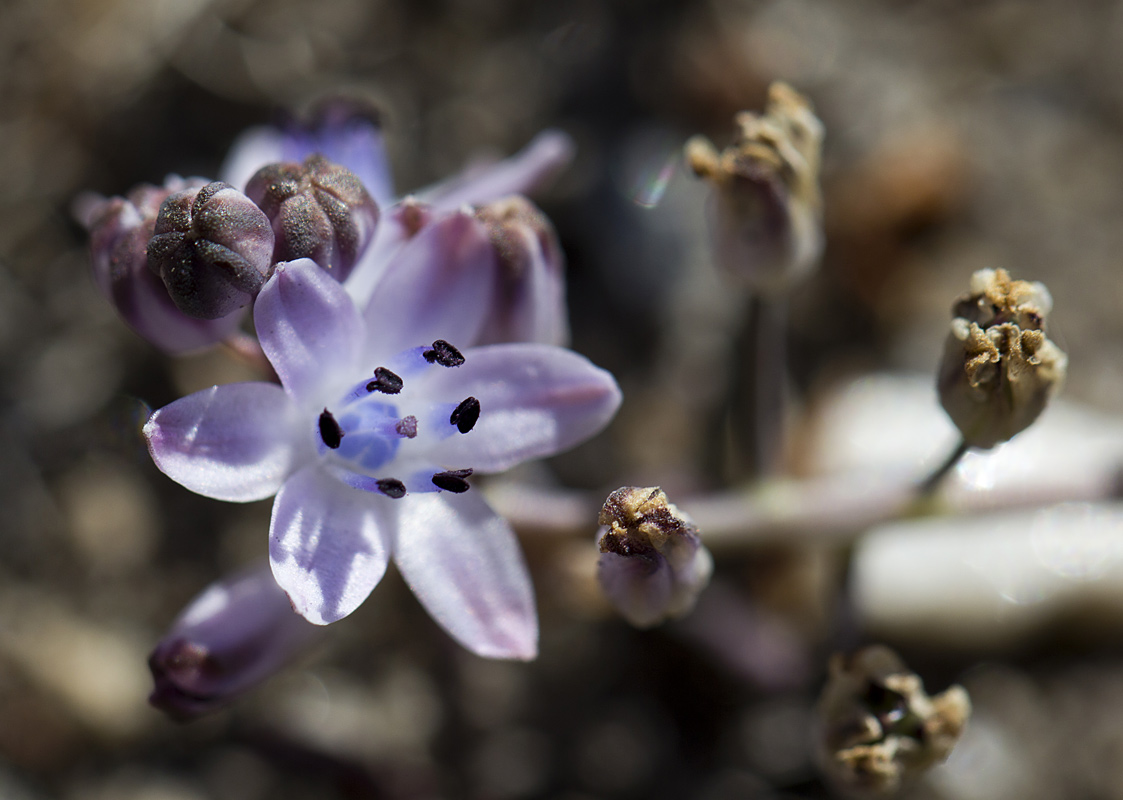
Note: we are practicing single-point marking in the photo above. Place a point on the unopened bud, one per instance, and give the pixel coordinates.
(878, 728)
(529, 301)
(999, 369)
(230, 638)
(652, 564)
(120, 228)
(319, 210)
(212, 248)
(766, 216)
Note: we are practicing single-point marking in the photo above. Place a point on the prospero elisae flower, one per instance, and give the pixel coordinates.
(379, 424)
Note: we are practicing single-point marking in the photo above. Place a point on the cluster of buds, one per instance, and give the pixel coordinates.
(652, 562)
(184, 262)
(767, 227)
(999, 369)
(878, 727)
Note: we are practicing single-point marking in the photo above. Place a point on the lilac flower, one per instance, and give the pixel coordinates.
(234, 635)
(379, 424)
(119, 229)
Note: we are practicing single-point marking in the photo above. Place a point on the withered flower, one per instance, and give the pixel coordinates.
(999, 369)
(878, 728)
(652, 564)
(766, 219)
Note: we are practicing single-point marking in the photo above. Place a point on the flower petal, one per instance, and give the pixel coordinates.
(252, 150)
(439, 286)
(464, 564)
(308, 327)
(328, 544)
(232, 442)
(534, 165)
(346, 134)
(535, 400)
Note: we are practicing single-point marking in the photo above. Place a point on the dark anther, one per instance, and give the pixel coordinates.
(392, 487)
(444, 354)
(385, 381)
(407, 426)
(465, 415)
(330, 431)
(453, 480)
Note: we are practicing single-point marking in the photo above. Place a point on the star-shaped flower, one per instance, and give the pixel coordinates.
(378, 424)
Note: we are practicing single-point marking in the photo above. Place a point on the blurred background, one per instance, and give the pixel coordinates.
(959, 135)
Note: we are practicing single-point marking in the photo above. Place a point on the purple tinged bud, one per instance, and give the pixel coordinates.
(212, 248)
(120, 228)
(652, 565)
(529, 303)
(319, 210)
(230, 638)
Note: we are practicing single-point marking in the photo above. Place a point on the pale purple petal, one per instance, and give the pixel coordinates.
(535, 400)
(464, 564)
(439, 286)
(328, 544)
(252, 150)
(531, 307)
(396, 226)
(234, 442)
(532, 167)
(345, 134)
(308, 327)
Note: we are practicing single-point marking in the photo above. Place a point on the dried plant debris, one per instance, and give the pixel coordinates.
(878, 727)
(999, 369)
(767, 218)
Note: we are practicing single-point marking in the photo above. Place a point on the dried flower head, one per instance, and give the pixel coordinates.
(999, 369)
(212, 248)
(766, 220)
(878, 727)
(319, 210)
(652, 564)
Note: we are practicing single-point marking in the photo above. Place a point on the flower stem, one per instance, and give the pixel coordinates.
(929, 484)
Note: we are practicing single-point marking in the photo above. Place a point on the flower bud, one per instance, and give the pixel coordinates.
(230, 638)
(120, 228)
(766, 216)
(529, 301)
(877, 728)
(319, 210)
(212, 248)
(652, 564)
(999, 369)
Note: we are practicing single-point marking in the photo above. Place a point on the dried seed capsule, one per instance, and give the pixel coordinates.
(999, 369)
(878, 728)
(652, 564)
(212, 248)
(319, 210)
(766, 215)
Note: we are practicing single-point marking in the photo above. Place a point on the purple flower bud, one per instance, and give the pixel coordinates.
(212, 248)
(319, 210)
(119, 230)
(652, 565)
(529, 303)
(230, 638)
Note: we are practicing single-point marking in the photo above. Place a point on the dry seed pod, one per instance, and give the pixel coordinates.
(766, 216)
(878, 728)
(999, 369)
